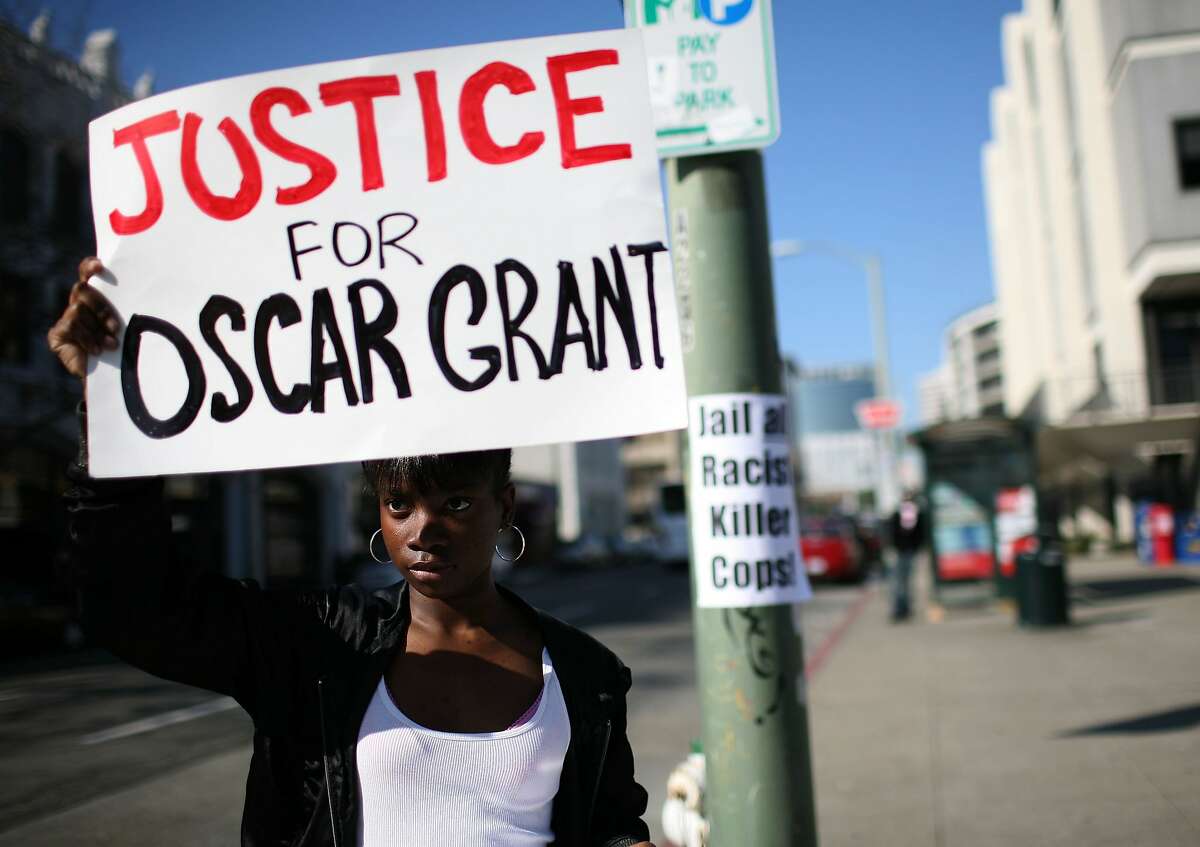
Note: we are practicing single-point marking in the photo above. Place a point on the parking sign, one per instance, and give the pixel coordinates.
(711, 65)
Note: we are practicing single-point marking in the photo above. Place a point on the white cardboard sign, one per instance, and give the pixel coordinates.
(437, 251)
(741, 501)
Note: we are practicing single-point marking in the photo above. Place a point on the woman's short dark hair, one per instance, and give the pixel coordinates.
(442, 470)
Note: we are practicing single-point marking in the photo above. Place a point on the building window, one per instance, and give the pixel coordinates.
(291, 526)
(985, 331)
(14, 176)
(14, 320)
(1173, 329)
(68, 197)
(1187, 152)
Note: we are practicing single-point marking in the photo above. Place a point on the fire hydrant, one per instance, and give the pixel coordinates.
(683, 819)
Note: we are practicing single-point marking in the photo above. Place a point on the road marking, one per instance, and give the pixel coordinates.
(32, 680)
(821, 654)
(573, 610)
(210, 707)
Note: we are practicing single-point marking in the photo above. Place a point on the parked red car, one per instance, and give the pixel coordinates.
(831, 549)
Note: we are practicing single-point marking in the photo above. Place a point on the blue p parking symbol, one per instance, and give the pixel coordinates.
(724, 12)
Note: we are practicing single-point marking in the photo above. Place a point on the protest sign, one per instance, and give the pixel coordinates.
(742, 502)
(437, 251)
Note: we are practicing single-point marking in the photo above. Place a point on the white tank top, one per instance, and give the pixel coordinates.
(421, 786)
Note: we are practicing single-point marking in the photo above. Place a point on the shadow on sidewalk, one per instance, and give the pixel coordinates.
(1092, 618)
(1171, 720)
(1092, 590)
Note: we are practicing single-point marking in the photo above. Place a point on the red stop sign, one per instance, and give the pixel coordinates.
(877, 413)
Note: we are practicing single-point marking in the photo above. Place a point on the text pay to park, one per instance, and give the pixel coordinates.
(428, 252)
(711, 66)
(745, 526)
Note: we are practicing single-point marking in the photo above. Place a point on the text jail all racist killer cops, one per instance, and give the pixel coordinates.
(759, 481)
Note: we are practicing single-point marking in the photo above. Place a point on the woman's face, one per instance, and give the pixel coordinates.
(442, 540)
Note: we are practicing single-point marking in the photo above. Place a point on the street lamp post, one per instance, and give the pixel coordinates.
(886, 491)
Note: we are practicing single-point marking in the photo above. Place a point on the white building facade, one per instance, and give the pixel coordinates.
(934, 392)
(1092, 182)
(969, 383)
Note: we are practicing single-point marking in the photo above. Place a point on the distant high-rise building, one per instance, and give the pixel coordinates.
(970, 381)
(838, 458)
(1092, 180)
(934, 392)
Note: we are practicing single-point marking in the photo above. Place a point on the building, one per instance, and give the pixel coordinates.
(568, 490)
(1092, 183)
(839, 460)
(974, 358)
(969, 383)
(651, 461)
(295, 525)
(46, 101)
(934, 392)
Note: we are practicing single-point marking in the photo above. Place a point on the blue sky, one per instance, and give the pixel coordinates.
(884, 108)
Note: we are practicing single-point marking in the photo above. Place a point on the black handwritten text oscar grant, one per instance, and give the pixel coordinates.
(354, 244)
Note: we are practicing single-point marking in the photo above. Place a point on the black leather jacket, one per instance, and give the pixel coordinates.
(305, 665)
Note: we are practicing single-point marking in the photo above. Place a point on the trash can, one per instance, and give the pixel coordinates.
(1042, 586)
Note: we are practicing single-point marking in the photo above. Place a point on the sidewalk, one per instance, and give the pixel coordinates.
(971, 732)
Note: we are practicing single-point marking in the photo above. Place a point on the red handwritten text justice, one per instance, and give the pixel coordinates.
(360, 94)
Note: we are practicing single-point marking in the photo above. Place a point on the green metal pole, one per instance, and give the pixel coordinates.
(749, 660)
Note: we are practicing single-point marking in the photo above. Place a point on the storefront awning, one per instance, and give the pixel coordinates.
(1093, 449)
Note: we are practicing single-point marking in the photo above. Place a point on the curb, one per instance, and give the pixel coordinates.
(821, 655)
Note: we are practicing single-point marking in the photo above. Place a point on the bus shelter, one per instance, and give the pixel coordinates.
(982, 504)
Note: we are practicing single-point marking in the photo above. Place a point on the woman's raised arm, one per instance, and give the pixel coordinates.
(169, 619)
(87, 326)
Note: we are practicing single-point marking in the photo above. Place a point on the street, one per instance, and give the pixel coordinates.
(100, 753)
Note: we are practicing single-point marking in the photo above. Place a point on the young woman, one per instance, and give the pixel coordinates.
(442, 711)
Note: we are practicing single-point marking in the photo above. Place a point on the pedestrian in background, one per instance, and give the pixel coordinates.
(908, 537)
